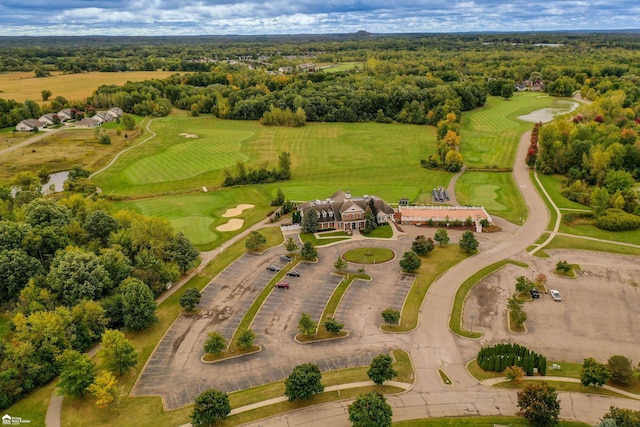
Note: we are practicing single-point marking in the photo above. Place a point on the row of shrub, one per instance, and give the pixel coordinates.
(617, 220)
(501, 356)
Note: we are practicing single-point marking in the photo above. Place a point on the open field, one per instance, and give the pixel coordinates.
(61, 151)
(74, 87)
(360, 157)
(344, 66)
(496, 191)
(490, 135)
(197, 215)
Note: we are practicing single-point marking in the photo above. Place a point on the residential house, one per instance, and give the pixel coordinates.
(87, 123)
(30, 125)
(65, 114)
(343, 212)
(102, 117)
(115, 112)
(48, 119)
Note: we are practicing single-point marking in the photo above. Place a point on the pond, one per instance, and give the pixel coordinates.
(57, 180)
(560, 106)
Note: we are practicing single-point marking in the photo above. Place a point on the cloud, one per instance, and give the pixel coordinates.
(162, 17)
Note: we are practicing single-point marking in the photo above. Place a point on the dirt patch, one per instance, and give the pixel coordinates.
(237, 210)
(188, 135)
(233, 225)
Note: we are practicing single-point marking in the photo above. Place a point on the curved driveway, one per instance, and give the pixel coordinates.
(433, 346)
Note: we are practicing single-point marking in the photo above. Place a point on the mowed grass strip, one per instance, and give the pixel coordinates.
(479, 422)
(490, 135)
(567, 242)
(553, 185)
(455, 321)
(496, 191)
(433, 265)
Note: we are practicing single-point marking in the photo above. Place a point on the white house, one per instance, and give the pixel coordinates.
(115, 112)
(29, 125)
(103, 117)
(65, 114)
(47, 119)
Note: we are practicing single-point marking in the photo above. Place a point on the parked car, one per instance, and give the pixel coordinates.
(293, 273)
(535, 294)
(282, 285)
(285, 258)
(274, 268)
(555, 295)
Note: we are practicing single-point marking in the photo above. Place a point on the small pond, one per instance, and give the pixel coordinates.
(57, 180)
(560, 106)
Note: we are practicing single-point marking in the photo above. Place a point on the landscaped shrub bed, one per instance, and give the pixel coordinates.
(617, 220)
(501, 356)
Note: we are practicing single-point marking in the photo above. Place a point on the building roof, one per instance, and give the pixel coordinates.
(423, 213)
(340, 202)
(33, 123)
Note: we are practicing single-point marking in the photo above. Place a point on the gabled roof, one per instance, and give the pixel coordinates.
(33, 123)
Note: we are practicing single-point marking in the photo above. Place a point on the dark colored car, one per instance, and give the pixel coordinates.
(285, 258)
(535, 294)
(293, 273)
(282, 285)
(273, 268)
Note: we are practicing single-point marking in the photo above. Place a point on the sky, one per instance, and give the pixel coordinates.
(200, 17)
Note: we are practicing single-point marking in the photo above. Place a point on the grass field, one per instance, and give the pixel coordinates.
(479, 422)
(61, 151)
(369, 255)
(496, 191)
(552, 184)
(326, 157)
(566, 242)
(344, 66)
(490, 135)
(197, 215)
(74, 87)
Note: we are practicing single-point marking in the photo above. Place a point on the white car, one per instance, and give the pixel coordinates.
(555, 295)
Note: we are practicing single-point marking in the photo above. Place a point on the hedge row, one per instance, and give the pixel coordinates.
(501, 356)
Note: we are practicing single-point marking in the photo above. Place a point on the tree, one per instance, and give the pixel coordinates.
(190, 298)
(117, 265)
(523, 284)
(539, 404)
(519, 317)
(255, 241)
(307, 326)
(381, 369)
(594, 373)
(138, 305)
(370, 222)
(99, 225)
(106, 391)
(541, 279)
(279, 200)
(442, 237)
(332, 325)
(308, 251)
(453, 161)
(514, 373)
(563, 266)
(621, 370)
(422, 246)
(78, 373)
(245, 340)
(340, 264)
(391, 316)
(211, 406)
(514, 304)
(309, 221)
(284, 163)
(46, 94)
(291, 246)
(468, 242)
(183, 253)
(506, 92)
(370, 410)
(215, 344)
(621, 417)
(128, 121)
(16, 268)
(117, 353)
(410, 262)
(303, 382)
(46, 212)
(599, 200)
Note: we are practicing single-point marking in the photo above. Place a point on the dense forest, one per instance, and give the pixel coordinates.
(70, 270)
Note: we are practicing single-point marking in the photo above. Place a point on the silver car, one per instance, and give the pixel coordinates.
(555, 295)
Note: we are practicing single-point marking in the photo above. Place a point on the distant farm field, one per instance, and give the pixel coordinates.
(490, 135)
(74, 87)
(365, 158)
(496, 191)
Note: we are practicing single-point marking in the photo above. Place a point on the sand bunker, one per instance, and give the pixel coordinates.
(189, 135)
(237, 210)
(233, 225)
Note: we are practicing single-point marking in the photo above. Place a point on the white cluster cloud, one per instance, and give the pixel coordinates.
(164, 17)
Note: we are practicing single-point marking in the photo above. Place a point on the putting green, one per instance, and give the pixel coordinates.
(369, 255)
(197, 228)
(189, 158)
(496, 191)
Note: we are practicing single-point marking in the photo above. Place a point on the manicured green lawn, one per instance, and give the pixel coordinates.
(197, 215)
(552, 183)
(344, 66)
(496, 191)
(478, 422)
(552, 212)
(632, 236)
(369, 255)
(310, 237)
(490, 135)
(566, 242)
(563, 386)
(326, 157)
(381, 232)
